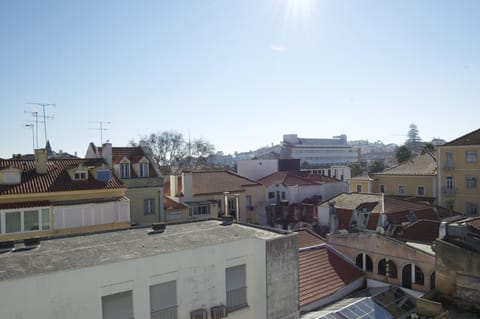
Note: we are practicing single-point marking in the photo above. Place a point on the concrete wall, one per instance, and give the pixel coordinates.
(256, 169)
(379, 247)
(458, 271)
(137, 198)
(282, 278)
(200, 276)
(411, 184)
(297, 193)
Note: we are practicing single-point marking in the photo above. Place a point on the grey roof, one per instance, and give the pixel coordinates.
(352, 200)
(112, 247)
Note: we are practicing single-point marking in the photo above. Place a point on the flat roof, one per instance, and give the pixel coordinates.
(76, 252)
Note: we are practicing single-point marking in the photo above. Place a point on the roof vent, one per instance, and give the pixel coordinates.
(158, 228)
(199, 314)
(227, 220)
(28, 244)
(219, 312)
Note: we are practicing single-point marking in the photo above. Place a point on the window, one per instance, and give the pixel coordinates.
(387, 268)
(163, 300)
(124, 170)
(117, 306)
(271, 195)
(235, 281)
(471, 156)
(199, 211)
(419, 276)
(382, 188)
(449, 182)
(359, 188)
(249, 200)
(80, 175)
(149, 206)
(471, 209)
(402, 189)
(421, 190)
(449, 160)
(283, 196)
(232, 206)
(25, 220)
(144, 169)
(471, 182)
(368, 266)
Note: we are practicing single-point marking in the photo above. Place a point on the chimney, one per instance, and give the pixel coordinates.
(333, 218)
(173, 185)
(225, 197)
(107, 153)
(41, 158)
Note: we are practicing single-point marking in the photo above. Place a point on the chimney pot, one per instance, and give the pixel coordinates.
(41, 159)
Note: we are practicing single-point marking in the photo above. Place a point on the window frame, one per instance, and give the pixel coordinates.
(233, 293)
(400, 188)
(124, 170)
(471, 156)
(143, 169)
(358, 188)
(80, 175)
(41, 221)
(418, 190)
(149, 206)
(471, 182)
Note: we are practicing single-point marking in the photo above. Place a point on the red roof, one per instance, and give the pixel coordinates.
(344, 217)
(286, 178)
(134, 154)
(57, 178)
(307, 238)
(425, 231)
(322, 273)
(170, 204)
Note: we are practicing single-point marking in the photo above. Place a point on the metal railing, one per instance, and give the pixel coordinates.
(236, 299)
(449, 191)
(167, 313)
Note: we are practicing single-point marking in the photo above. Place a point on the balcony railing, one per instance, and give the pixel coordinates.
(236, 299)
(449, 191)
(449, 165)
(167, 313)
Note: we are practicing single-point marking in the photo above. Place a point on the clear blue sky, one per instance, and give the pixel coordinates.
(238, 73)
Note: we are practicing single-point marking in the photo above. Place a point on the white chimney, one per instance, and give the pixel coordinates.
(41, 158)
(173, 185)
(107, 153)
(333, 218)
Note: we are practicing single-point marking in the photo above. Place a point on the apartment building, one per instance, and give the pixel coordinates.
(193, 270)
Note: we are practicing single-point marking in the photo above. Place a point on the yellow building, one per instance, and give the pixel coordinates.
(45, 196)
(459, 170)
(414, 178)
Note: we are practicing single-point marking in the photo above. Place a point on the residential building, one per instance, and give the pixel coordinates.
(457, 262)
(318, 151)
(190, 270)
(459, 171)
(416, 177)
(174, 211)
(294, 188)
(204, 193)
(258, 168)
(43, 197)
(139, 173)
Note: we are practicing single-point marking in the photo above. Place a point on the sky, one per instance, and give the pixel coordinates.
(238, 73)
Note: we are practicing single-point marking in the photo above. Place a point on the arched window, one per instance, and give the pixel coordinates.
(368, 262)
(419, 276)
(387, 267)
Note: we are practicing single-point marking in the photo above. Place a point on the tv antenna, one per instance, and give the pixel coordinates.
(100, 128)
(32, 126)
(45, 117)
(35, 115)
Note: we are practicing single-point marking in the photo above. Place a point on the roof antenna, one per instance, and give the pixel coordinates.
(35, 115)
(100, 128)
(45, 117)
(32, 126)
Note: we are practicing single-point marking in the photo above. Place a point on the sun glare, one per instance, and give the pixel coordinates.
(299, 9)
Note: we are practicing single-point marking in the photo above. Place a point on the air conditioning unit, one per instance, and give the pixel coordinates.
(199, 314)
(219, 312)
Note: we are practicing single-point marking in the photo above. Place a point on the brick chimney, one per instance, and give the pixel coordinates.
(107, 153)
(41, 158)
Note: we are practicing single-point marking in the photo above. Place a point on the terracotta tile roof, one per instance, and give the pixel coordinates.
(353, 200)
(322, 273)
(307, 238)
(57, 178)
(344, 217)
(170, 204)
(425, 231)
(420, 165)
(286, 179)
(214, 182)
(373, 221)
(398, 205)
(472, 138)
(362, 178)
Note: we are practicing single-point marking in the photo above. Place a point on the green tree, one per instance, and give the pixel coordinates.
(377, 166)
(429, 148)
(356, 170)
(403, 154)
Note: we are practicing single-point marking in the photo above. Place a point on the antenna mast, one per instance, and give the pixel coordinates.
(100, 128)
(35, 115)
(45, 117)
(30, 125)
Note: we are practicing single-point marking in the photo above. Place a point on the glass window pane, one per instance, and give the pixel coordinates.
(30, 220)
(45, 218)
(13, 222)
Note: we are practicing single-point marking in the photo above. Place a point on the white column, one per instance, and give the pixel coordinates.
(364, 260)
(413, 273)
(225, 194)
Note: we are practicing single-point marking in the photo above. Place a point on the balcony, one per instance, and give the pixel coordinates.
(449, 191)
(236, 299)
(167, 313)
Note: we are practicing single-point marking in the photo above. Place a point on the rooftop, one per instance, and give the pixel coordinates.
(424, 231)
(423, 165)
(111, 247)
(219, 181)
(57, 178)
(286, 179)
(307, 238)
(472, 138)
(322, 272)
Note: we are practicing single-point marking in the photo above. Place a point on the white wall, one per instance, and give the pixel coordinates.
(73, 216)
(296, 193)
(200, 276)
(256, 169)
